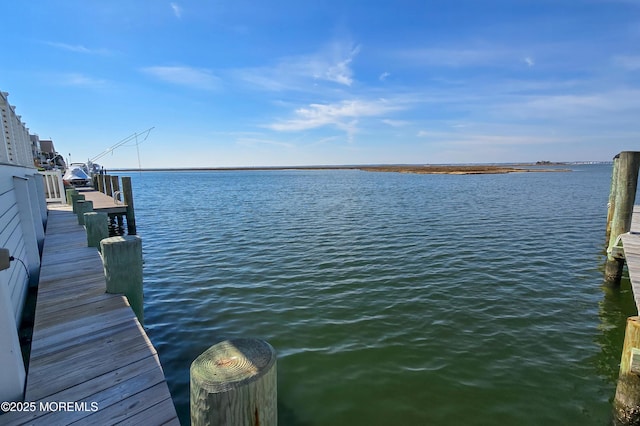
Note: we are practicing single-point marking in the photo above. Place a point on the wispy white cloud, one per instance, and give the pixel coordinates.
(338, 68)
(528, 120)
(80, 80)
(384, 76)
(331, 64)
(77, 48)
(197, 78)
(343, 115)
(529, 61)
(177, 10)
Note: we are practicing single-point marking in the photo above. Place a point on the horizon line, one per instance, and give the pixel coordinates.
(350, 166)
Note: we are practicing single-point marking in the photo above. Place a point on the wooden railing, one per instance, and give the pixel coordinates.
(53, 186)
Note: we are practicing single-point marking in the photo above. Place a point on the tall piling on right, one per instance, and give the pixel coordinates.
(128, 199)
(624, 184)
(612, 197)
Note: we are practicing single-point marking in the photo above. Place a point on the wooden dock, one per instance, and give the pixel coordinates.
(102, 202)
(631, 244)
(88, 347)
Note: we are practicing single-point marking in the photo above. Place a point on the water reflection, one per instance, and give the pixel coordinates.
(616, 305)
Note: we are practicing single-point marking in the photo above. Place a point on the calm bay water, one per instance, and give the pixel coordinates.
(391, 298)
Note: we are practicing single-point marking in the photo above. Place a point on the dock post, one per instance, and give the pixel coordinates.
(128, 200)
(115, 184)
(621, 210)
(234, 382)
(626, 404)
(107, 186)
(84, 206)
(122, 259)
(101, 183)
(97, 225)
(612, 198)
(75, 197)
(70, 192)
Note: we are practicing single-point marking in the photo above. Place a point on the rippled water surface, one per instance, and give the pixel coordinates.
(391, 298)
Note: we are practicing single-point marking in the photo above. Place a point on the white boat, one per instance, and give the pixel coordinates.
(75, 176)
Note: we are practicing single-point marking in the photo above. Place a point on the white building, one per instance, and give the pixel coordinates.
(15, 143)
(23, 213)
(36, 151)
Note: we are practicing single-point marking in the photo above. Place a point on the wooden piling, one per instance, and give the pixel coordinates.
(122, 260)
(235, 383)
(128, 199)
(101, 183)
(97, 225)
(612, 198)
(69, 195)
(624, 188)
(626, 404)
(115, 184)
(84, 206)
(75, 197)
(107, 186)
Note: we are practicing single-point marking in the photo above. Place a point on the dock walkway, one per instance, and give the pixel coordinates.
(102, 202)
(88, 346)
(631, 244)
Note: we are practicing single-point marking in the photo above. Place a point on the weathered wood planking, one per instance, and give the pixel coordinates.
(631, 244)
(88, 345)
(102, 202)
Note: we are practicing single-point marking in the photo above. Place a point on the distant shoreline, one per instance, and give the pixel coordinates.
(416, 169)
(461, 170)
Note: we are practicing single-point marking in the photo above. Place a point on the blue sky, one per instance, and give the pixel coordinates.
(260, 83)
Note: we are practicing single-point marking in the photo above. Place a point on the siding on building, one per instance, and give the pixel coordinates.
(15, 143)
(22, 222)
(21, 230)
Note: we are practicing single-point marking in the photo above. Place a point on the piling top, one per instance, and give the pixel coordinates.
(232, 363)
(121, 239)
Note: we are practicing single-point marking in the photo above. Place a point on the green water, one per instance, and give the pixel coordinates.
(391, 298)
